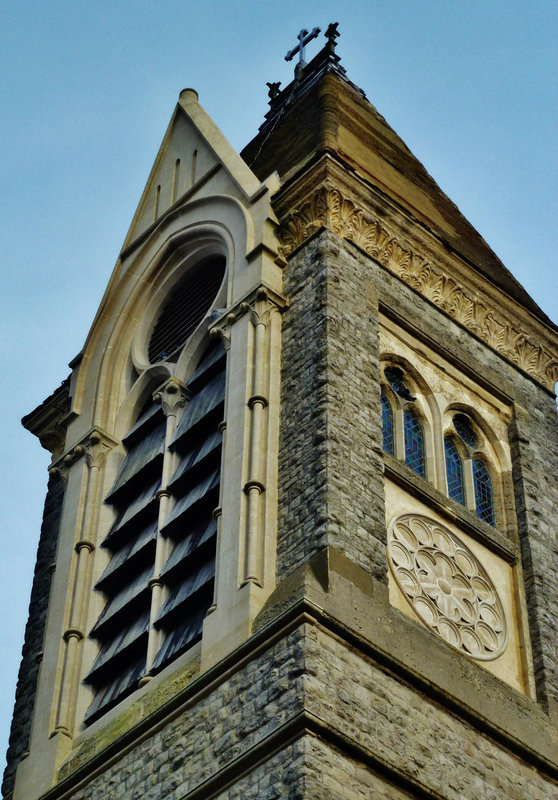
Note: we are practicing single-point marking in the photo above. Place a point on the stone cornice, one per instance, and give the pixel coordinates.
(49, 421)
(329, 208)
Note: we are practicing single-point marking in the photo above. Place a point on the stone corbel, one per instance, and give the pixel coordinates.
(53, 440)
(221, 331)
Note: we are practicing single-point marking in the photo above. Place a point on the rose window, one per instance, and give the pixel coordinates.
(446, 586)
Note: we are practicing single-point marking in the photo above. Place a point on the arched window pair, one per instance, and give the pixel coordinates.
(413, 435)
(468, 477)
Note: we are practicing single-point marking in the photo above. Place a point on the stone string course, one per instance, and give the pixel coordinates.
(397, 724)
(312, 770)
(389, 720)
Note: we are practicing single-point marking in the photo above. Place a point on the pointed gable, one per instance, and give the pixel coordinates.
(192, 151)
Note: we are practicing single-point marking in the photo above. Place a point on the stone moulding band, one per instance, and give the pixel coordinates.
(76, 773)
(330, 209)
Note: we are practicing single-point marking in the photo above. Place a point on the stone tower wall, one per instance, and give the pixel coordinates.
(34, 630)
(331, 469)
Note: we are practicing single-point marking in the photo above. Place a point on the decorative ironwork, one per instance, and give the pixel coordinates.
(303, 38)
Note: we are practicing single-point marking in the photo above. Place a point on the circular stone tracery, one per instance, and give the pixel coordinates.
(446, 586)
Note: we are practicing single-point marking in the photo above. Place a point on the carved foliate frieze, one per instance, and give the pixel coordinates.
(446, 586)
(330, 209)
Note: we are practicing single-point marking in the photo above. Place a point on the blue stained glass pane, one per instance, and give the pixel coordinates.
(484, 500)
(454, 471)
(414, 442)
(387, 425)
(396, 380)
(464, 428)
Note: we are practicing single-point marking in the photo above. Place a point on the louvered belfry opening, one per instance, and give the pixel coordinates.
(187, 305)
(190, 531)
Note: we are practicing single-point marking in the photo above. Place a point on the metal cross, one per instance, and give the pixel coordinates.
(303, 38)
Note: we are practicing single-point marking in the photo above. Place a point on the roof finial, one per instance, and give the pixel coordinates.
(303, 38)
(274, 90)
(331, 35)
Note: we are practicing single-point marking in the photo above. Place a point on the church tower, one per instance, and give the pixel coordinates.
(298, 539)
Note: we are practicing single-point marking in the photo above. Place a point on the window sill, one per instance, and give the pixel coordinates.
(452, 511)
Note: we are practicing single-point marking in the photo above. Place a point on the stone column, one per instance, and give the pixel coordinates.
(95, 450)
(172, 395)
(247, 516)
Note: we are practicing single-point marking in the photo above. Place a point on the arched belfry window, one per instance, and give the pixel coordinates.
(122, 628)
(162, 544)
(159, 581)
(188, 303)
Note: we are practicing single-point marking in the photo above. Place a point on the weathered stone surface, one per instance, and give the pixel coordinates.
(34, 631)
(274, 728)
(331, 692)
(331, 469)
(534, 444)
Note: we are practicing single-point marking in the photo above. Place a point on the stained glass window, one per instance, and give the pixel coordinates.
(396, 380)
(454, 471)
(484, 500)
(387, 425)
(414, 442)
(463, 426)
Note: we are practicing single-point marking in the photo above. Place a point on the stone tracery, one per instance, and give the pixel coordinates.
(447, 586)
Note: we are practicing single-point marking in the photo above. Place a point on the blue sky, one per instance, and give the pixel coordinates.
(87, 91)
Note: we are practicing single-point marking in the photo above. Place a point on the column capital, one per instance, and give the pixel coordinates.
(97, 446)
(259, 303)
(172, 396)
